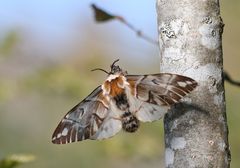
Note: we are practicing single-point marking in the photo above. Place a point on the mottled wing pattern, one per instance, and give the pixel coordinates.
(90, 119)
(156, 93)
(150, 112)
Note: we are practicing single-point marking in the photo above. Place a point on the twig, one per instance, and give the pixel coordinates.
(138, 32)
(229, 79)
(103, 16)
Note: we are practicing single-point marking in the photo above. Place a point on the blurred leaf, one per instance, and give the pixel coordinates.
(101, 15)
(15, 160)
(8, 43)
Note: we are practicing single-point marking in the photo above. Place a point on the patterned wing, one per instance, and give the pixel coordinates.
(154, 94)
(90, 119)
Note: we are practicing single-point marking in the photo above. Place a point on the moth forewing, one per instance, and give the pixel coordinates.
(84, 120)
(151, 96)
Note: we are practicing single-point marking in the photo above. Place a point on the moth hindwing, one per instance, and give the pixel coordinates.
(121, 102)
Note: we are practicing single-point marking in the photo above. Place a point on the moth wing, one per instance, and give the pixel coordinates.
(90, 119)
(154, 94)
(147, 112)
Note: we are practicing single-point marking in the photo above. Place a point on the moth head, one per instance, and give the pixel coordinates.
(115, 69)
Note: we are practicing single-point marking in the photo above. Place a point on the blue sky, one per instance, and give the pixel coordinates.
(55, 18)
(52, 24)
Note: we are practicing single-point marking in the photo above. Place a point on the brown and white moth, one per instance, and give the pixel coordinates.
(120, 103)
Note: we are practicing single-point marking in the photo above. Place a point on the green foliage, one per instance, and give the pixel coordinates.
(15, 160)
(8, 43)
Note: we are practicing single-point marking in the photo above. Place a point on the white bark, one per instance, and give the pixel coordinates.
(196, 133)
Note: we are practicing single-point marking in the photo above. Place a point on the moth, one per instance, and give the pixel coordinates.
(121, 102)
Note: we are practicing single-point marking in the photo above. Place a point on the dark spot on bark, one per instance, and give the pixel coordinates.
(213, 33)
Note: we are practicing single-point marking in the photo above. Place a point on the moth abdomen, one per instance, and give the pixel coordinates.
(129, 122)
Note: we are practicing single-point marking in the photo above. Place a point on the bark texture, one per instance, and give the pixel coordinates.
(190, 40)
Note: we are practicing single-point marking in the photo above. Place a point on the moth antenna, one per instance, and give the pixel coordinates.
(114, 62)
(100, 69)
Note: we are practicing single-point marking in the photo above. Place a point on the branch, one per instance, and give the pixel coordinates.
(103, 16)
(230, 80)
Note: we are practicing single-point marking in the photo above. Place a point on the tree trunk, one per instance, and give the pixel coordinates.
(190, 40)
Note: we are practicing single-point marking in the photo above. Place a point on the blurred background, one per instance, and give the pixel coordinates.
(47, 49)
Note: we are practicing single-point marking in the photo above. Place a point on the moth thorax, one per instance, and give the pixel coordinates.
(129, 122)
(121, 101)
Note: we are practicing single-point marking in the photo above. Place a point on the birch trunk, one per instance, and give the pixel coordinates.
(190, 40)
